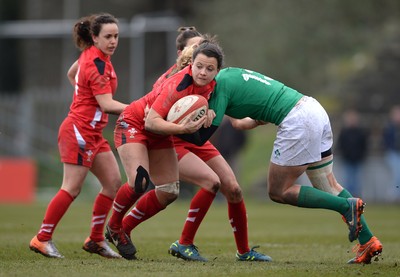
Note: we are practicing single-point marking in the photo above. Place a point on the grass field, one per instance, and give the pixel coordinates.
(302, 242)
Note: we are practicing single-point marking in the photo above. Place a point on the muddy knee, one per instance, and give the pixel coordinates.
(169, 192)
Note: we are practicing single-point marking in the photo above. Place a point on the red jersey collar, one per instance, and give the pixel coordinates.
(100, 53)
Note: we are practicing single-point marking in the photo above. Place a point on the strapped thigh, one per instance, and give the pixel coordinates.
(321, 176)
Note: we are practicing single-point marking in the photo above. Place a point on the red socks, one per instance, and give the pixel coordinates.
(55, 211)
(238, 220)
(199, 206)
(101, 207)
(124, 200)
(146, 207)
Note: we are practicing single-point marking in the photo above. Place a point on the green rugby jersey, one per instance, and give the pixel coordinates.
(243, 93)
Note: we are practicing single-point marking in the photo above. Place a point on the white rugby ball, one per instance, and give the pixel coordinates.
(185, 106)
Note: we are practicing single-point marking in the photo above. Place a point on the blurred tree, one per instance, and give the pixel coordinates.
(300, 42)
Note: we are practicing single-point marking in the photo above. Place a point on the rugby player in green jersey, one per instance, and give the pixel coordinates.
(303, 144)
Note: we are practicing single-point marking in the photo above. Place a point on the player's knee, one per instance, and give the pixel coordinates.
(276, 195)
(115, 180)
(74, 192)
(215, 186)
(168, 193)
(210, 184)
(233, 194)
(115, 185)
(142, 180)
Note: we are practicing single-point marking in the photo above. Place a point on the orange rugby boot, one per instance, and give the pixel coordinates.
(365, 252)
(46, 248)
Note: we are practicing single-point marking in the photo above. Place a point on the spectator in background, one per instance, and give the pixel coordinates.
(391, 143)
(353, 147)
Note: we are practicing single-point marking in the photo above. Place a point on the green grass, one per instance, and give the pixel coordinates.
(302, 242)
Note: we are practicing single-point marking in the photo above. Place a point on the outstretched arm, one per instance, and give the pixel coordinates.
(246, 123)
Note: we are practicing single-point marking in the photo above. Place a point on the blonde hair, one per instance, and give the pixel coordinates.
(186, 57)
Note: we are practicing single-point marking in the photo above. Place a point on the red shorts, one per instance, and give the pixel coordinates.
(79, 146)
(130, 129)
(204, 152)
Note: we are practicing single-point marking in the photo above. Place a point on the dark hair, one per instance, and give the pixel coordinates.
(185, 33)
(90, 25)
(209, 47)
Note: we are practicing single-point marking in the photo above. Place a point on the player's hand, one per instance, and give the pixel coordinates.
(210, 117)
(190, 126)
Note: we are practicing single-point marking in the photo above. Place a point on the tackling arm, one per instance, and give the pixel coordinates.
(201, 136)
(246, 123)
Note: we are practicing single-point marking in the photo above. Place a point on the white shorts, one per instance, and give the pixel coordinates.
(303, 135)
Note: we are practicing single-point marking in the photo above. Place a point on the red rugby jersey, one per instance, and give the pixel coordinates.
(172, 89)
(95, 76)
(164, 77)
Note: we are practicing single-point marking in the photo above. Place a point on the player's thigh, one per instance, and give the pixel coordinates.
(230, 187)
(73, 178)
(132, 156)
(163, 166)
(194, 170)
(105, 168)
(223, 170)
(281, 178)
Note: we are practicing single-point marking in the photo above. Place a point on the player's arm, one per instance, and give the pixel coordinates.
(109, 105)
(201, 136)
(246, 123)
(204, 133)
(72, 72)
(157, 124)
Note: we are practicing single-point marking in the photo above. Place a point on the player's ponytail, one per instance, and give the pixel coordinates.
(81, 34)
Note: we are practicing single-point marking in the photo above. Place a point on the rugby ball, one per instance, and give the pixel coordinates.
(185, 106)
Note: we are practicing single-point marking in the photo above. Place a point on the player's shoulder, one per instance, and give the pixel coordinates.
(229, 72)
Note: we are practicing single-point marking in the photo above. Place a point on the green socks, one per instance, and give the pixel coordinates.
(310, 197)
(365, 234)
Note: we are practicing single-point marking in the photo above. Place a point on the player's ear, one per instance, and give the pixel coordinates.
(94, 38)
